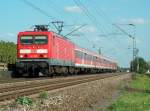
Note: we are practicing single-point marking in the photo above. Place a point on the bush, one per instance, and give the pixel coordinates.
(139, 65)
(43, 95)
(8, 52)
(23, 100)
(1, 109)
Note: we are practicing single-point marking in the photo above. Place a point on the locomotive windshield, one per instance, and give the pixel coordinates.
(40, 39)
(34, 39)
(26, 39)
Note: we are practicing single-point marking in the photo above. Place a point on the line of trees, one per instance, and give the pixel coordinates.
(8, 52)
(139, 65)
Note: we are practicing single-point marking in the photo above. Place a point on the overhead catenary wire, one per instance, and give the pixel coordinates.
(105, 16)
(38, 9)
(94, 21)
(102, 14)
(75, 29)
(92, 43)
(90, 16)
(56, 9)
(52, 5)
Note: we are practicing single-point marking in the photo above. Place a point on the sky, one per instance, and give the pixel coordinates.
(97, 16)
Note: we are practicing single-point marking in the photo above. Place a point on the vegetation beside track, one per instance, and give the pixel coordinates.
(140, 65)
(8, 52)
(134, 100)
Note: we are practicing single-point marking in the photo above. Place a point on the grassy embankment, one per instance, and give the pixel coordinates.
(134, 101)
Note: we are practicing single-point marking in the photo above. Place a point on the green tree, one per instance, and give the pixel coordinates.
(148, 64)
(8, 52)
(139, 65)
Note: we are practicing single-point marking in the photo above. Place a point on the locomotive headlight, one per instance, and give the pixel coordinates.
(42, 51)
(22, 51)
(21, 56)
(45, 55)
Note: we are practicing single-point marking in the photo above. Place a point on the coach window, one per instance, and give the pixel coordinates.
(78, 54)
(86, 56)
(100, 60)
(81, 55)
(94, 58)
(89, 57)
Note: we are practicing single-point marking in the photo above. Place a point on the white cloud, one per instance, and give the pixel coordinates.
(139, 21)
(73, 9)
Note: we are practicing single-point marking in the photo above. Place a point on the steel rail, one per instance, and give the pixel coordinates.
(27, 84)
(37, 89)
(32, 89)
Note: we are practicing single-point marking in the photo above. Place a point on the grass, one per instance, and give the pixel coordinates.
(131, 102)
(134, 101)
(142, 81)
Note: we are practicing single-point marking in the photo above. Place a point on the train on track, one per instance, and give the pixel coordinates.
(45, 52)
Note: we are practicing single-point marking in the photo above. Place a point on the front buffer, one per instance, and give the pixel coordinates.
(31, 67)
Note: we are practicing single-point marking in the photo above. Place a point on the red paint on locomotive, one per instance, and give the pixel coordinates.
(50, 50)
(53, 47)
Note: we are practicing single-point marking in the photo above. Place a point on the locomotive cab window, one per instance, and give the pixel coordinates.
(34, 40)
(26, 39)
(40, 39)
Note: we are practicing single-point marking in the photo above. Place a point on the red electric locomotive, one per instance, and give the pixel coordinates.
(45, 52)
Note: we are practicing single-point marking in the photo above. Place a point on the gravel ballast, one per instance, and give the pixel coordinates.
(83, 97)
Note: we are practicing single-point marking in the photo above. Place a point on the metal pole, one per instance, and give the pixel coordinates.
(133, 55)
(100, 50)
(134, 41)
(138, 65)
(134, 48)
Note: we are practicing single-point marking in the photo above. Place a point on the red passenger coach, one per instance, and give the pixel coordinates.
(45, 52)
(93, 62)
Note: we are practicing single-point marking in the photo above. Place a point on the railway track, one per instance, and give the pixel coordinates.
(12, 80)
(14, 90)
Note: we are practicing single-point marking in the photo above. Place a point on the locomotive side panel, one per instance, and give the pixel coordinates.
(62, 52)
